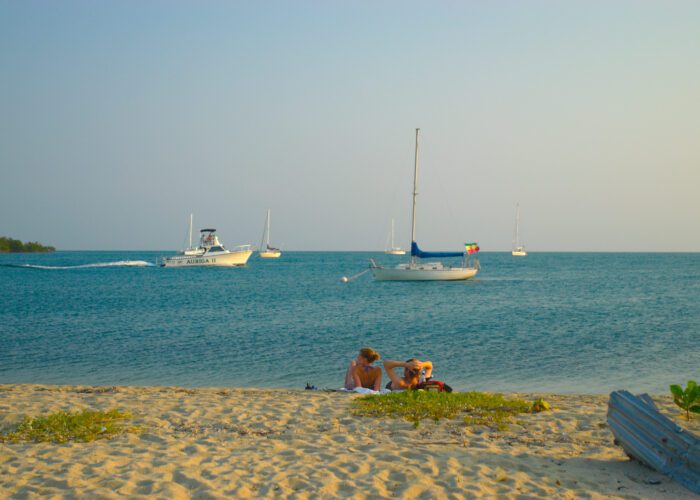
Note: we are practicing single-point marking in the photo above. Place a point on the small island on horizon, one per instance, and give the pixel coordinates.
(9, 245)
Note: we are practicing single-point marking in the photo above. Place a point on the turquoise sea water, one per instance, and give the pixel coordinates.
(561, 322)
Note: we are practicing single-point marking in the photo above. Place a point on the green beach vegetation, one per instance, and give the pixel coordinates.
(61, 427)
(492, 410)
(9, 245)
(539, 405)
(687, 399)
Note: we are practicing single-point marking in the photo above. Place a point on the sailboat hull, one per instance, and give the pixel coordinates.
(395, 252)
(270, 255)
(519, 253)
(423, 273)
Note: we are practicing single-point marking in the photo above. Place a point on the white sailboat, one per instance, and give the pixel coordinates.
(209, 253)
(518, 248)
(268, 252)
(190, 250)
(416, 270)
(393, 249)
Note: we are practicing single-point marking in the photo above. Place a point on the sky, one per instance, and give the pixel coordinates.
(120, 118)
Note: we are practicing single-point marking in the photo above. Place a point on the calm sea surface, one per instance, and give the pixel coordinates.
(549, 322)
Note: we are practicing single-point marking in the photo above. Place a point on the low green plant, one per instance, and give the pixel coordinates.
(61, 427)
(688, 399)
(539, 405)
(414, 406)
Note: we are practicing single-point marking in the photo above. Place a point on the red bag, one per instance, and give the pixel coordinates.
(434, 385)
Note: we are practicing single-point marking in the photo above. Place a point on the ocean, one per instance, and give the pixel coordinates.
(549, 322)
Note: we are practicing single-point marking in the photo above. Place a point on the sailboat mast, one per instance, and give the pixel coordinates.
(268, 228)
(517, 225)
(190, 231)
(392, 234)
(415, 193)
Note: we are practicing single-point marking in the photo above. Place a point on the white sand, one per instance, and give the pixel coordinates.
(254, 443)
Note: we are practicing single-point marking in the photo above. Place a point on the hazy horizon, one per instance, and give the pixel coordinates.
(119, 119)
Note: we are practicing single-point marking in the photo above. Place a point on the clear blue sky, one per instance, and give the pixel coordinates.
(118, 119)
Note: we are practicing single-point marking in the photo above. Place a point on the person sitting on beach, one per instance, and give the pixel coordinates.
(361, 373)
(412, 369)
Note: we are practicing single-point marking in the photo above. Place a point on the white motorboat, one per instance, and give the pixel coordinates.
(209, 253)
(392, 249)
(266, 251)
(415, 270)
(518, 248)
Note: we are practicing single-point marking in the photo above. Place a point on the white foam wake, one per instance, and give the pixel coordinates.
(119, 263)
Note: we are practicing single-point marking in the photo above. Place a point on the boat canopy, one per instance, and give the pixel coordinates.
(207, 230)
(417, 252)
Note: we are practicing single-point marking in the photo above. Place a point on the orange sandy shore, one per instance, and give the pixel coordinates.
(257, 443)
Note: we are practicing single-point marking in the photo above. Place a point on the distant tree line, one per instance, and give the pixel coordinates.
(9, 245)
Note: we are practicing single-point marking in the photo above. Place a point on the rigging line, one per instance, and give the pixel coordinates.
(187, 234)
(446, 200)
(262, 239)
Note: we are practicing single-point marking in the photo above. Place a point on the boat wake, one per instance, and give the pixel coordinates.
(119, 263)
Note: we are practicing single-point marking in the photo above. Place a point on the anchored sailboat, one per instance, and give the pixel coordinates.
(393, 249)
(268, 252)
(518, 248)
(416, 270)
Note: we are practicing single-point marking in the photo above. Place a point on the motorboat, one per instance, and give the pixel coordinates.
(210, 252)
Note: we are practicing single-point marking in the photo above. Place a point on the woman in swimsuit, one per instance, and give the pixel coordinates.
(412, 369)
(361, 373)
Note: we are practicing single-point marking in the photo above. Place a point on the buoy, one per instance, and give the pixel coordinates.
(345, 279)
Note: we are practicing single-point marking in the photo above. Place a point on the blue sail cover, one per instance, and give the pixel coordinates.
(417, 252)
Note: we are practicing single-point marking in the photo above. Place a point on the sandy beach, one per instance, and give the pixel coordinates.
(254, 443)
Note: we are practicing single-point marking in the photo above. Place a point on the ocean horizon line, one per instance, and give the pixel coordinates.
(530, 251)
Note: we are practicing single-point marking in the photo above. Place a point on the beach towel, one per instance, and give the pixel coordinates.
(364, 390)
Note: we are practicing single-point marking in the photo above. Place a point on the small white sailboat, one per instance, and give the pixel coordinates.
(268, 252)
(518, 248)
(392, 249)
(209, 253)
(416, 270)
